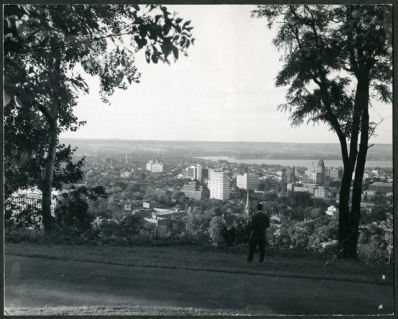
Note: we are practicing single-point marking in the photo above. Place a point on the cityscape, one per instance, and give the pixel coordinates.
(161, 189)
(198, 160)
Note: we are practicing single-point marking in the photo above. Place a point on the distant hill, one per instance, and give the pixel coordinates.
(241, 150)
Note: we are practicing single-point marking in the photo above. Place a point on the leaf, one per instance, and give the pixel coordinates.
(166, 28)
(6, 98)
(148, 56)
(178, 20)
(175, 52)
(18, 101)
(186, 24)
(154, 58)
(136, 7)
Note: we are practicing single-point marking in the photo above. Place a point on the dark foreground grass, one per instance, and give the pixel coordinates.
(133, 311)
(196, 258)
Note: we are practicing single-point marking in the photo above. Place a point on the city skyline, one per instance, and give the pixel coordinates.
(223, 91)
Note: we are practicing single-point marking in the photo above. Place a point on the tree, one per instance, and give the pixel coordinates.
(42, 46)
(336, 59)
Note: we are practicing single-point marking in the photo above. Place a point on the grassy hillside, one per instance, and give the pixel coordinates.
(208, 259)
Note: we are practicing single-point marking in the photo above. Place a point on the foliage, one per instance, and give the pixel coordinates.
(372, 253)
(20, 214)
(130, 226)
(237, 235)
(72, 214)
(197, 224)
(217, 224)
(42, 46)
(337, 58)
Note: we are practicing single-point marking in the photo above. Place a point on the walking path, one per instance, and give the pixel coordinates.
(38, 282)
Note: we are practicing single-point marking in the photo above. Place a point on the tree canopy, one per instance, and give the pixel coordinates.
(337, 58)
(42, 46)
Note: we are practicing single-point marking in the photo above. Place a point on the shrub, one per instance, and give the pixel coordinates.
(372, 253)
(130, 226)
(72, 215)
(217, 224)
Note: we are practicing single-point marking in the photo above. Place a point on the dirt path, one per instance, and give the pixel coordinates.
(38, 282)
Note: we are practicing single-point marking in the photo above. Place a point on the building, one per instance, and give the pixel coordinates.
(335, 174)
(321, 192)
(381, 188)
(247, 181)
(195, 190)
(317, 173)
(195, 172)
(191, 172)
(156, 167)
(126, 175)
(31, 198)
(332, 211)
(151, 204)
(205, 173)
(305, 187)
(219, 185)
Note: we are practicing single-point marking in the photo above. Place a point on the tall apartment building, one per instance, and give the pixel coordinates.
(195, 190)
(156, 167)
(219, 185)
(247, 181)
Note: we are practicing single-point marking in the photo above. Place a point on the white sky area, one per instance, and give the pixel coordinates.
(223, 91)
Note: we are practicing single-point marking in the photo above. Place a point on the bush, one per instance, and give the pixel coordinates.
(217, 224)
(22, 215)
(72, 215)
(130, 226)
(238, 234)
(372, 253)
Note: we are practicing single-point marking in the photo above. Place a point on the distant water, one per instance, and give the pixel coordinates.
(291, 162)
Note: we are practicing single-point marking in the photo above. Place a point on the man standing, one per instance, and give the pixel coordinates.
(258, 235)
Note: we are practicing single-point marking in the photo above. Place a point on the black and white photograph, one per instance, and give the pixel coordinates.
(198, 160)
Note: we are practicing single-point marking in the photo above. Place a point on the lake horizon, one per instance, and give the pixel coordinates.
(293, 162)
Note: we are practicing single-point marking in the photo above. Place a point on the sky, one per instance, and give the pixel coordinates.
(223, 91)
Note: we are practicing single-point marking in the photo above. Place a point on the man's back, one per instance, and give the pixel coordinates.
(259, 225)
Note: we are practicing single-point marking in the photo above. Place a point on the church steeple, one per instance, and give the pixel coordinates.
(247, 207)
(294, 176)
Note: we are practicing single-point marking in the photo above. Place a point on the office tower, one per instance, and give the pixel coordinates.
(247, 181)
(219, 185)
(317, 173)
(195, 172)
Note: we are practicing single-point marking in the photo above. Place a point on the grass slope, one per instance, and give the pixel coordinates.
(196, 258)
(131, 311)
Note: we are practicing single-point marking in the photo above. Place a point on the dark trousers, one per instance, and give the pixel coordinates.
(252, 247)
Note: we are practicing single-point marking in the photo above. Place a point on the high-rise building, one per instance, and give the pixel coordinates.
(156, 167)
(195, 190)
(195, 172)
(219, 185)
(247, 181)
(191, 172)
(198, 172)
(205, 173)
(316, 172)
(336, 174)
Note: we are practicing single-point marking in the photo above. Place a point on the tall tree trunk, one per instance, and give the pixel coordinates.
(48, 178)
(349, 218)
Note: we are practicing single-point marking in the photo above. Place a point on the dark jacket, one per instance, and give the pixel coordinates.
(258, 226)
